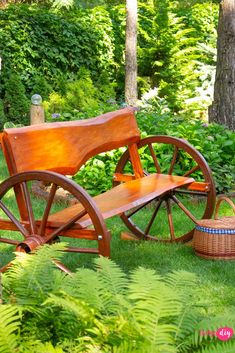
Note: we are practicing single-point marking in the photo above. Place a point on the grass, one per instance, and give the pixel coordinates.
(216, 278)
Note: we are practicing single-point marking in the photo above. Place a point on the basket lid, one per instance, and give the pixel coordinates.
(221, 223)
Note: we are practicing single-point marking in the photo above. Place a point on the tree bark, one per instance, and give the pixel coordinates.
(222, 110)
(131, 53)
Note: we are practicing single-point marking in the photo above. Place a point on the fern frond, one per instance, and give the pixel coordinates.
(79, 308)
(85, 285)
(111, 276)
(223, 347)
(113, 283)
(47, 348)
(154, 306)
(212, 324)
(9, 325)
(180, 280)
(26, 277)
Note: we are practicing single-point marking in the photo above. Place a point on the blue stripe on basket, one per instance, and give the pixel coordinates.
(215, 230)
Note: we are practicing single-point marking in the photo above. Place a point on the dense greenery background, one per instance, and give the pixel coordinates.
(46, 48)
(74, 58)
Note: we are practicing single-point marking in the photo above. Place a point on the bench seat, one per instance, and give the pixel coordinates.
(122, 198)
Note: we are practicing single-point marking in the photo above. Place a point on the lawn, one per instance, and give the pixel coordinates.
(216, 278)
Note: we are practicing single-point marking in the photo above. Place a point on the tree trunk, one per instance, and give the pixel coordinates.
(131, 53)
(222, 110)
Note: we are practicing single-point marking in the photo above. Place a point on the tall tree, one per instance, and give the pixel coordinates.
(222, 110)
(131, 53)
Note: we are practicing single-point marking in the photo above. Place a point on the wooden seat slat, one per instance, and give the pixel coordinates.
(123, 198)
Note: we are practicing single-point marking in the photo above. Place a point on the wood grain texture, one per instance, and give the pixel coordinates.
(65, 146)
(123, 198)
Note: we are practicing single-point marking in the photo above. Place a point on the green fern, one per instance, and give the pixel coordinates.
(27, 275)
(9, 326)
(225, 347)
(103, 310)
(113, 284)
(85, 285)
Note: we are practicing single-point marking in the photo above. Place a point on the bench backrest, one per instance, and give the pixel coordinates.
(65, 146)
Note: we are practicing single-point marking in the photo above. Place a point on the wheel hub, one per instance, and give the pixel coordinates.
(30, 244)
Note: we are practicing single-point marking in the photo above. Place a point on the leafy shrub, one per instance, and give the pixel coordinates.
(41, 86)
(96, 175)
(16, 103)
(102, 310)
(2, 114)
(82, 98)
(62, 42)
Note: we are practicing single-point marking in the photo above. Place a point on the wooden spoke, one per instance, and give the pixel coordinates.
(47, 209)
(29, 208)
(192, 193)
(191, 171)
(137, 209)
(62, 267)
(66, 225)
(5, 267)
(183, 208)
(176, 150)
(157, 166)
(18, 225)
(170, 219)
(202, 185)
(153, 217)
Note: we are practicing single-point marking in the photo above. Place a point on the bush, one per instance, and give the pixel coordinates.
(39, 42)
(16, 103)
(2, 115)
(82, 98)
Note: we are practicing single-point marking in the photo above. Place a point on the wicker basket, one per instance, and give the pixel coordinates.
(215, 238)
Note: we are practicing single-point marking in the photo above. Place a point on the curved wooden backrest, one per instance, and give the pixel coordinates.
(65, 146)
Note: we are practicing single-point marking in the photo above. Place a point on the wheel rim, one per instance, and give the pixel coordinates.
(33, 233)
(170, 155)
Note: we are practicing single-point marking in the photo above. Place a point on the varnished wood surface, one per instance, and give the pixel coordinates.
(65, 146)
(123, 197)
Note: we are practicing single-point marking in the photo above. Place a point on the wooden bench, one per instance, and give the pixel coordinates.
(50, 151)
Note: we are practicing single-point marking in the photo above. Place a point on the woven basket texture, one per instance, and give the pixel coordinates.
(215, 238)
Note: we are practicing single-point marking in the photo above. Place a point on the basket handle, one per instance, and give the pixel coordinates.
(220, 199)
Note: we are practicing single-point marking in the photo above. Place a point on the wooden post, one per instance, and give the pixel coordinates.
(37, 115)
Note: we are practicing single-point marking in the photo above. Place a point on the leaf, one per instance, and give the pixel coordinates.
(9, 325)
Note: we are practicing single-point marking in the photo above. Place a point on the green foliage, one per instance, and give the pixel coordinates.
(2, 114)
(47, 47)
(61, 42)
(104, 310)
(96, 175)
(82, 98)
(28, 270)
(204, 18)
(15, 100)
(41, 86)
(9, 326)
(176, 55)
(81, 94)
